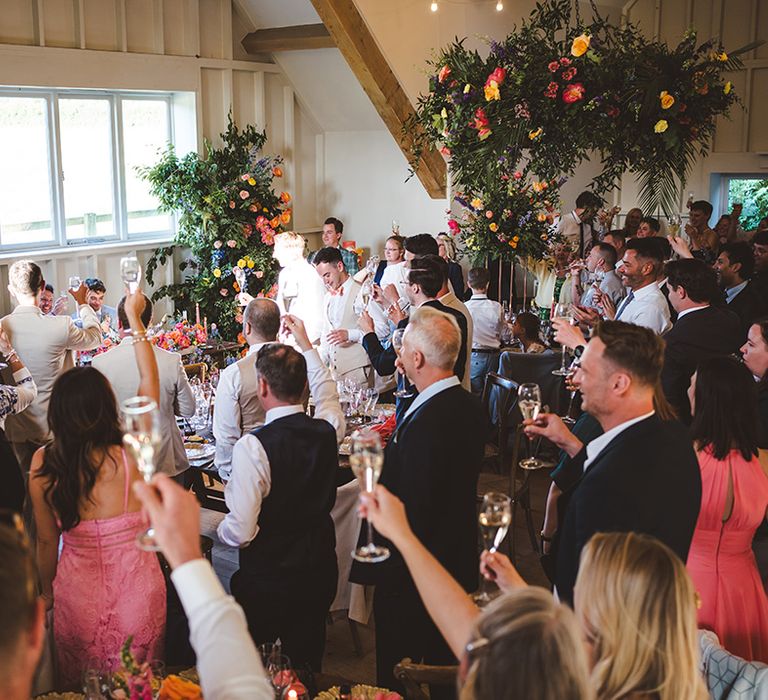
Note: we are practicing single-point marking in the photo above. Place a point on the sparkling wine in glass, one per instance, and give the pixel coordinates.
(240, 278)
(74, 283)
(495, 518)
(142, 435)
(562, 311)
(366, 459)
(130, 271)
(529, 401)
(397, 346)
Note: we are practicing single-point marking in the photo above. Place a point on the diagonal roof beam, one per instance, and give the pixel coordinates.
(359, 48)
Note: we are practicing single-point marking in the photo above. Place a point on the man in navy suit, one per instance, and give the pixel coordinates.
(431, 463)
(641, 474)
(703, 329)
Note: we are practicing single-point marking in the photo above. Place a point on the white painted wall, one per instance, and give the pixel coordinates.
(364, 186)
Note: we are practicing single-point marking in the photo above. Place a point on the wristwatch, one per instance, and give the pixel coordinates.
(578, 351)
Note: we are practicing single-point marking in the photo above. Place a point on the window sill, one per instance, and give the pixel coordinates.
(74, 250)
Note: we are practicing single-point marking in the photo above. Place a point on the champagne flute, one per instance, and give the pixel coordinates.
(142, 436)
(74, 283)
(529, 401)
(397, 346)
(562, 311)
(240, 278)
(130, 271)
(290, 292)
(495, 518)
(366, 459)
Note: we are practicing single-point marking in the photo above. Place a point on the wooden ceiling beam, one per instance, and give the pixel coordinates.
(300, 37)
(359, 48)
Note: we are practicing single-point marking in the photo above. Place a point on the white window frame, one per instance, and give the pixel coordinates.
(725, 185)
(56, 183)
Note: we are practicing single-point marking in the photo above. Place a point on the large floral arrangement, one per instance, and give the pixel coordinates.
(556, 91)
(228, 215)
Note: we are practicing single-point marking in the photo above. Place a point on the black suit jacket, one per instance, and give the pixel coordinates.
(645, 480)
(749, 306)
(432, 464)
(711, 332)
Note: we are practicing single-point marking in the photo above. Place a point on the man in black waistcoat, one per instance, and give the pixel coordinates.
(641, 474)
(280, 496)
(431, 463)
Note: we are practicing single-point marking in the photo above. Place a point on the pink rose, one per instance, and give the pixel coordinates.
(217, 244)
(243, 194)
(231, 243)
(259, 274)
(573, 92)
(223, 292)
(231, 204)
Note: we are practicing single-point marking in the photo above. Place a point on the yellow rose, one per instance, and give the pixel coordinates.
(493, 226)
(728, 87)
(467, 88)
(241, 263)
(666, 99)
(491, 91)
(477, 203)
(216, 272)
(251, 181)
(251, 264)
(723, 57)
(533, 135)
(661, 126)
(580, 45)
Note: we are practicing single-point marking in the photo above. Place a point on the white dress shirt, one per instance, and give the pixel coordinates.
(647, 308)
(432, 390)
(396, 274)
(597, 445)
(45, 344)
(227, 423)
(14, 399)
(227, 661)
(570, 226)
(251, 472)
(487, 321)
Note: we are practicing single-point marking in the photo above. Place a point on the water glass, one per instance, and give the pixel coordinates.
(130, 272)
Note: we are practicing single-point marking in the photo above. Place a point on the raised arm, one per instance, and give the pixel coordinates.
(450, 608)
(89, 336)
(149, 378)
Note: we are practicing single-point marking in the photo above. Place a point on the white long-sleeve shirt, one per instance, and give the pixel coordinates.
(251, 477)
(14, 399)
(645, 307)
(227, 661)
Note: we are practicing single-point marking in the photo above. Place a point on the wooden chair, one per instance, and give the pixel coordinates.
(414, 676)
(197, 369)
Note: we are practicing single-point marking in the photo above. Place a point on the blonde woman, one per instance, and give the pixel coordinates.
(524, 645)
(633, 599)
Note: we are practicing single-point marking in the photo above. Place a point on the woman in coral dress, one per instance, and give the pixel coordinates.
(103, 588)
(734, 499)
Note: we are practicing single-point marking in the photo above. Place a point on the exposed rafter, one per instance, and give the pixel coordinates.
(359, 48)
(305, 36)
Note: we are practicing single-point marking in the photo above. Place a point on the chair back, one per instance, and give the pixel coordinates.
(535, 368)
(197, 369)
(414, 676)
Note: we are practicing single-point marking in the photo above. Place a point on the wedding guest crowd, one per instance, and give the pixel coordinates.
(658, 494)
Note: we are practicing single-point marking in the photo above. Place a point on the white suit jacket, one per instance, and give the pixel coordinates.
(44, 344)
(119, 366)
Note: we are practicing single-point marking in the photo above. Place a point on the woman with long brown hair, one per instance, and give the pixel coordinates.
(102, 588)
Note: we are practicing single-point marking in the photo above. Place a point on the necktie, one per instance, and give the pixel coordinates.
(581, 239)
(625, 304)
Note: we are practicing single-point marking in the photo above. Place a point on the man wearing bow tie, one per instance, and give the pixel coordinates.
(340, 338)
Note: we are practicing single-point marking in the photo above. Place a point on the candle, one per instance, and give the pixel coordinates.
(205, 327)
(183, 315)
(197, 314)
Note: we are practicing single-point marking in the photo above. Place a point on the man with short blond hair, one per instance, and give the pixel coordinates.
(45, 344)
(431, 463)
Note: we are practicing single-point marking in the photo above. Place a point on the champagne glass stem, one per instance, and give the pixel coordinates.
(370, 533)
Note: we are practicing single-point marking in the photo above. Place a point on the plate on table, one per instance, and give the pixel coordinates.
(199, 450)
(362, 692)
(386, 407)
(345, 448)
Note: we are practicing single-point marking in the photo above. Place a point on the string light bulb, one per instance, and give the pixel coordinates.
(433, 7)
(499, 6)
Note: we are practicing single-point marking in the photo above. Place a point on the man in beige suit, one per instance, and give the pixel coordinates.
(340, 346)
(176, 396)
(45, 345)
(238, 409)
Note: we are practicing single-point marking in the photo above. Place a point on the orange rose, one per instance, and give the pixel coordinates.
(277, 171)
(285, 197)
(285, 217)
(580, 45)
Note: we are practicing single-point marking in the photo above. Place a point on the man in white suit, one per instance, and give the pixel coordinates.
(176, 396)
(340, 346)
(45, 344)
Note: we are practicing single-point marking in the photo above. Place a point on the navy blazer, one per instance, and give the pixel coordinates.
(432, 464)
(645, 480)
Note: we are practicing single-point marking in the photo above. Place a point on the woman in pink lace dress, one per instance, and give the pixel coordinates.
(103, 588)
(734, 499)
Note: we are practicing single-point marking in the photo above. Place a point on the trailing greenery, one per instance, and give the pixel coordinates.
(559, 89)
(228, 214)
